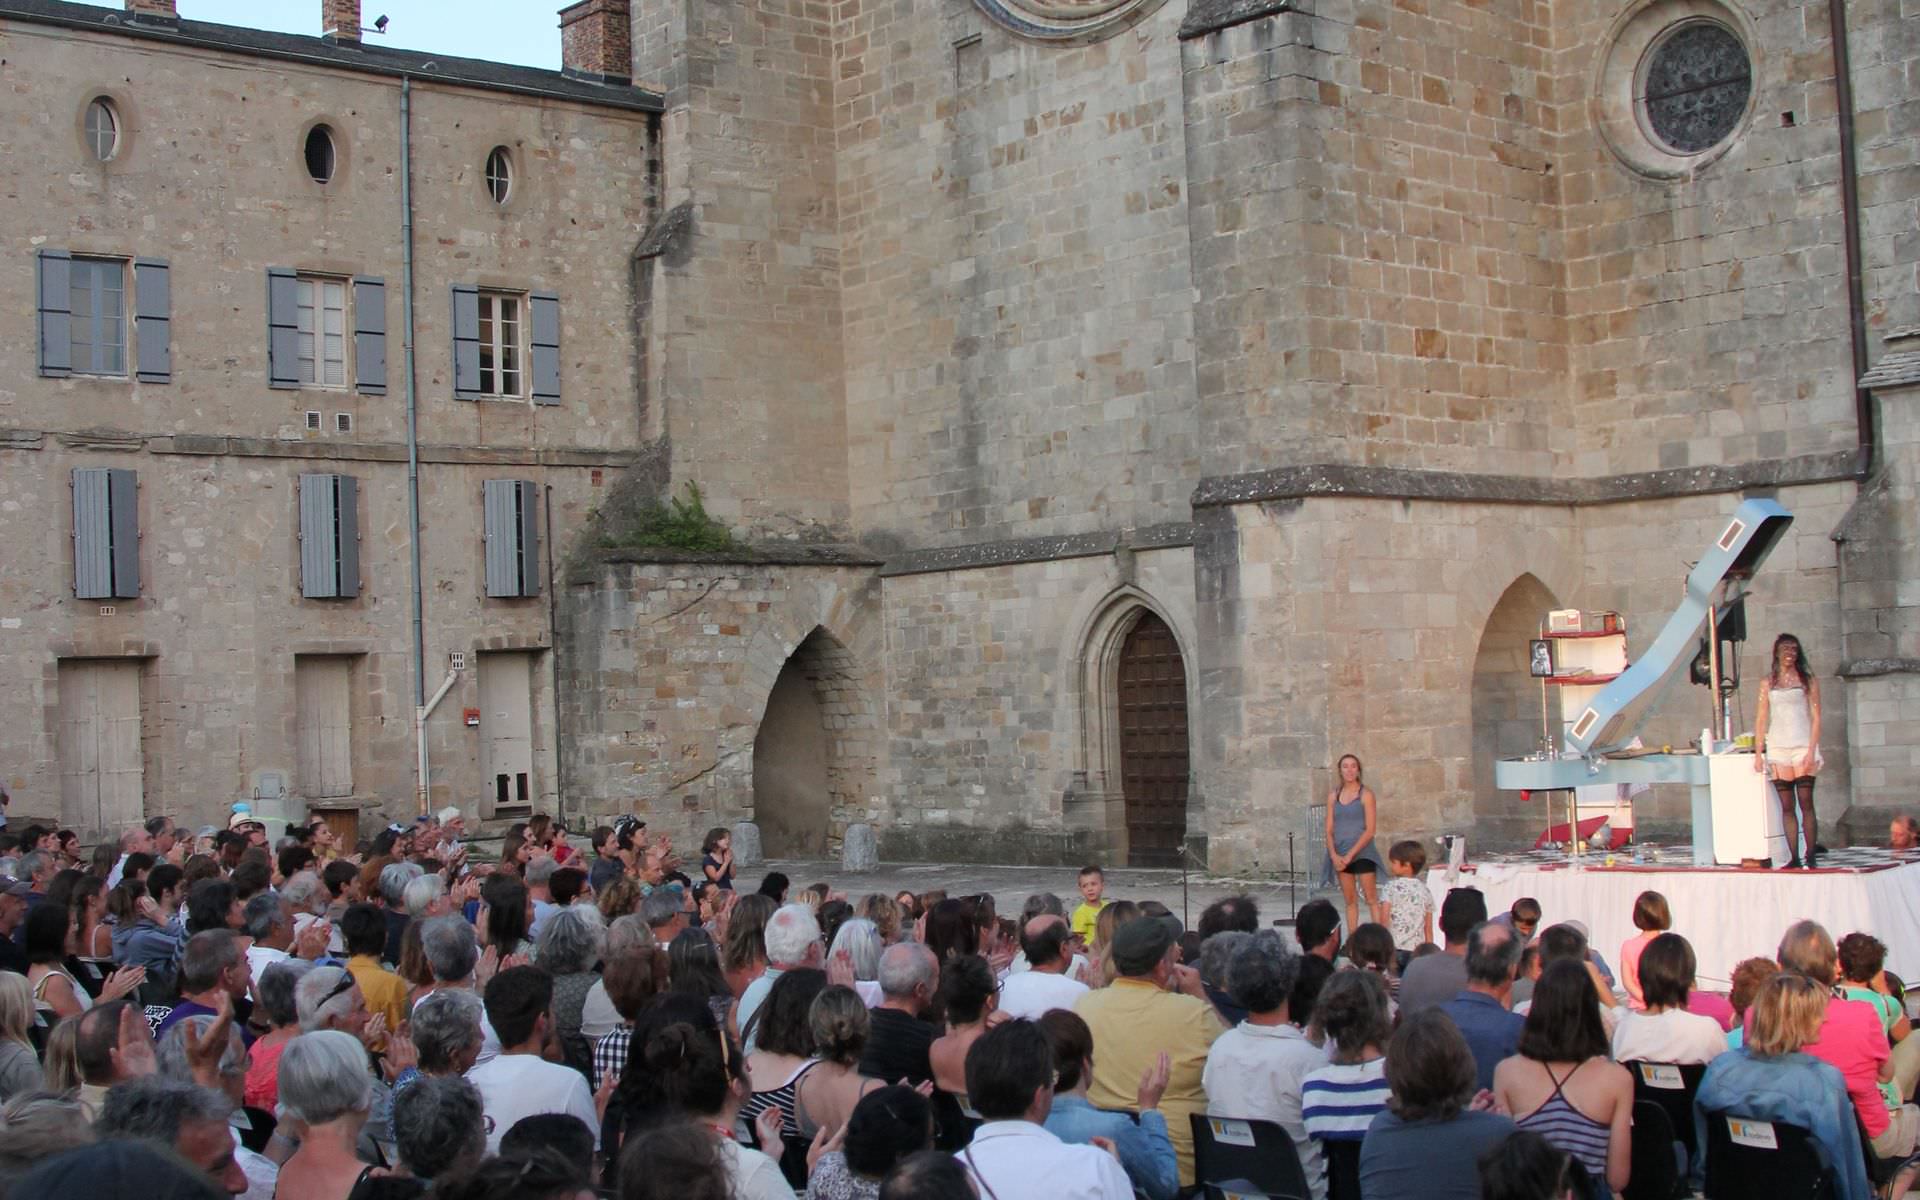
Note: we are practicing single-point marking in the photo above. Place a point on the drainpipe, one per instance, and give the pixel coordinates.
(553, 662)
(1850, 218)
(421, 709)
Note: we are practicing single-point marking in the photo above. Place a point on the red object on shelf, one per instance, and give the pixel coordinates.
(1588, 827)
(1577, 680)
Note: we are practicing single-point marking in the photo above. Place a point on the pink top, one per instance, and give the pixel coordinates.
(1712, 1004)
(263, 1075)
(1630, 967)
(1854, 1042)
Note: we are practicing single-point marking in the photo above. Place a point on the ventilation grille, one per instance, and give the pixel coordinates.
(313, 420)
(343, 422)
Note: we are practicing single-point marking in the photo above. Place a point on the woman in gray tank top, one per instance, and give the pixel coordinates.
(1350, 842)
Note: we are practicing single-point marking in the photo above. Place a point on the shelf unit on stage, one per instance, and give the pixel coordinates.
(1585, 660)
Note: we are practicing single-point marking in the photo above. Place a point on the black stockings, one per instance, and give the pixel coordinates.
(1797, 793)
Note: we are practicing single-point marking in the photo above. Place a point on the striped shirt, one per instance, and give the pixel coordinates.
(1568, 1129)
(1341, 1100)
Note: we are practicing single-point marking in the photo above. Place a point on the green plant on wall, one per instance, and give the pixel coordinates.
(681, 523)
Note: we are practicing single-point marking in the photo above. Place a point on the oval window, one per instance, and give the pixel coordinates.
(103, 129)
(499, 174)
(320, 153)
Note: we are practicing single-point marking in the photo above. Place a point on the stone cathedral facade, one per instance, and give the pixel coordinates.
(1121, 409)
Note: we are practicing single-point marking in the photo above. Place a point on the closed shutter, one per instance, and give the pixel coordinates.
(106, 534)
(283, 328)
(545, 308)
(466, 342)
(370, 336)
(153, 321)
(329, 537)
(512, 538)
(56, 313)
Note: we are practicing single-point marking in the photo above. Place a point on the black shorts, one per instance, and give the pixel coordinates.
(1360, 866)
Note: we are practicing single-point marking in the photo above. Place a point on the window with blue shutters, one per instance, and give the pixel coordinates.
(506, 345)
(512, 537)
(106, 534)
(84, 322)
(329, 537)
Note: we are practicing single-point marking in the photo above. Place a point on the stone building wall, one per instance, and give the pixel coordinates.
(209, 177)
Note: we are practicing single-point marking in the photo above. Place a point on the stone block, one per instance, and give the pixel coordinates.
(859, 849)
(746, 844)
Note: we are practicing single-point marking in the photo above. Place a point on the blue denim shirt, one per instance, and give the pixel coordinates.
(1797, 1089)
(1145, 1150)
(1492, 1033)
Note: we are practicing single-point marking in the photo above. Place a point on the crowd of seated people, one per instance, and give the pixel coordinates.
(204, 1015)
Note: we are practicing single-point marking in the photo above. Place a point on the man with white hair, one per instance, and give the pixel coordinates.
(229, 1076)
(269, 922)
(898, 1040)
(133, 841)
(538, 876)
(187, 1118)
(793, 942)
(665, 914)
(394, 879)
(453, 956)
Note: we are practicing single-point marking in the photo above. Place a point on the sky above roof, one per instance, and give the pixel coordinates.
(526, 32)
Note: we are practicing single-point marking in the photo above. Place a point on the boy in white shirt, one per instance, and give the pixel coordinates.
(517, 1082)
(1407, 902)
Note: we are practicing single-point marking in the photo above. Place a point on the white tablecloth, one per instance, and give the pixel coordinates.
(1726, 914)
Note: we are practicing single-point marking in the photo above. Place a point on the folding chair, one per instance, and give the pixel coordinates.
(1343, 1167)
(1232, 1155)
(1747, 1157)
(1672, 1086)
(1656, 1170)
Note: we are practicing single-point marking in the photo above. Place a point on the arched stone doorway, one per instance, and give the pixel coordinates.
(1506, 713)
(812, 755)
(1150, 695)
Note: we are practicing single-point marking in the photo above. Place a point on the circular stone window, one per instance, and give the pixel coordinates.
(1675, 87)
(103, 129)
(319, 153)
(1067, 20)
(1695, 86)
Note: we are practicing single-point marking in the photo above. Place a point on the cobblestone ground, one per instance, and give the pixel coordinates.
(1012, 885)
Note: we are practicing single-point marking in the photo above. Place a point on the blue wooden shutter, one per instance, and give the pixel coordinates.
(92, 535)
(502, 534)
(466, 342)
(370, 336)
(56, 313)
(526, 499)
(123, 496)
(153, 321)
(346, 524)
(545, 311)
(283, 328)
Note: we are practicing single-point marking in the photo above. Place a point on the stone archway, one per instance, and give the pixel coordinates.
(812, 753)
(1506, 712)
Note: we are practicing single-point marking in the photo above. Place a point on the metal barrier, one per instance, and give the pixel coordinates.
(1313, 861)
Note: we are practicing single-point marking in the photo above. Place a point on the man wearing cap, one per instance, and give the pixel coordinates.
(1155, 1006)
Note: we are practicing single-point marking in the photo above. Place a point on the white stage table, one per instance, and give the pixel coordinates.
(1726, 913)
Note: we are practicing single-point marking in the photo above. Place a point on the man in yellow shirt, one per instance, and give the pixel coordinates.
(1154, 1007)
(364, 929)
(1093, 885)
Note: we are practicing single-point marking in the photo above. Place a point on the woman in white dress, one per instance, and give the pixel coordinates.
(1786, 741)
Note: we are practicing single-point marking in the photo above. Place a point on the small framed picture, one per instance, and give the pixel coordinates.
(1540, 657)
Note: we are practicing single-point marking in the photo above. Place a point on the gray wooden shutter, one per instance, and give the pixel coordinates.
(502, 532)
(329, 537)
(370, 336)
(283, 328)
(466, 343)
(92, 535)
(346, 518)
(123, 502)
(545, 311)
(153, 320)
(56, 313)
(526, 496)
(318, 579)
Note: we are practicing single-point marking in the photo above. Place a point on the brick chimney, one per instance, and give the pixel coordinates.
(340, 20)
(164, 9)
(596, 40)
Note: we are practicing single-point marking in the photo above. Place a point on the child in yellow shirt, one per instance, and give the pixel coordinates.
(1093, 885)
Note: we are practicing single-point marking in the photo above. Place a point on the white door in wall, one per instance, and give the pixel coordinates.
(102, 776)
(506, 729)
(323, 706)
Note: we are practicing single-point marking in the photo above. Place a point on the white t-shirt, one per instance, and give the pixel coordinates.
(1673, 1036)
(259, 958)
(754, 1175)
(513, 1086)
(598, 1017)
(1031, 994)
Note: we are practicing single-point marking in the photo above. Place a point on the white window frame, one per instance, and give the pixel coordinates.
(498, 174)
(103, 105)
(87, 317)
(503, 345)
(312, 359)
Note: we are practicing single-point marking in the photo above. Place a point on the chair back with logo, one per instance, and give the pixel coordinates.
(1672, 1086)
(1246, 1158)
(1747, 1158)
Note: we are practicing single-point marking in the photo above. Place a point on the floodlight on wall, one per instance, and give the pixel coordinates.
(380, 23)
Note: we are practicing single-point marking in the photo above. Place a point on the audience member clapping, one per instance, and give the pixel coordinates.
(887, 1125)
(188, 1119)
(1012, 1155)
(1138, 1137)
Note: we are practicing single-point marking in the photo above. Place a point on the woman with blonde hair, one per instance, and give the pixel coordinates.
(619, 898)
(1772, 1078)
(826, 1095)
(1111, 918)
(19, 1067)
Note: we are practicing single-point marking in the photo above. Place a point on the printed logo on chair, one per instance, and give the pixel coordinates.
(1663, 1075)
(1231, 1133)
(1756, 1134)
